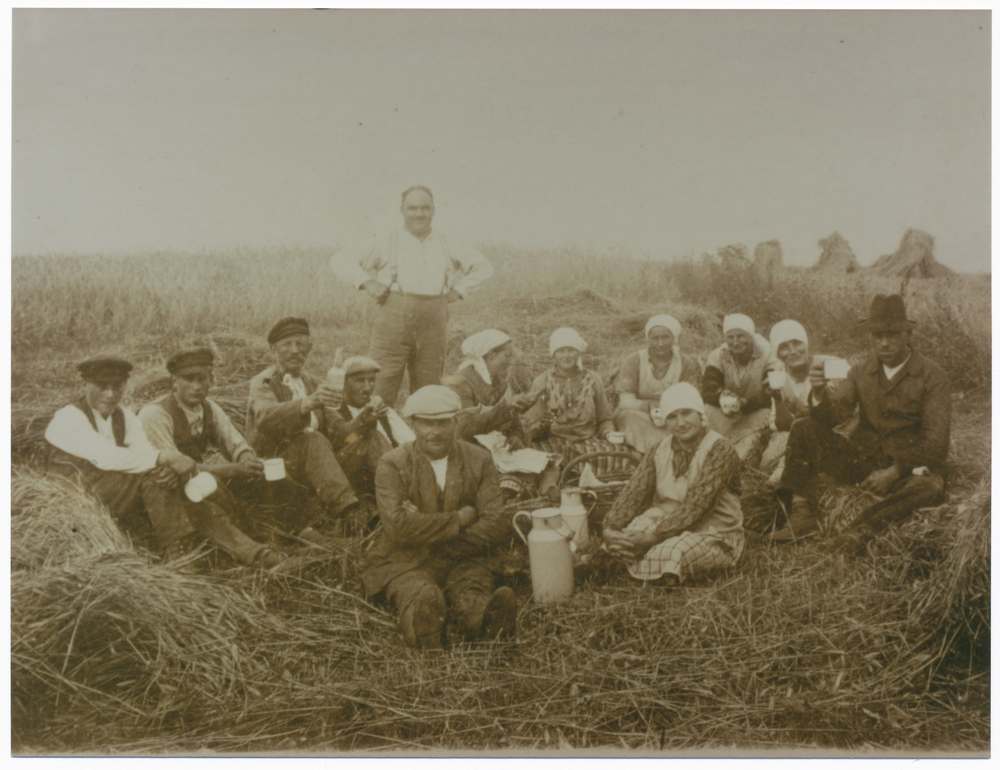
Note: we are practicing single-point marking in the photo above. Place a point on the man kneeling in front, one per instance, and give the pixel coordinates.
(442, 521)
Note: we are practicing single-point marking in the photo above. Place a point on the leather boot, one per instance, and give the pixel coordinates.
(500, 615)
(802, 523)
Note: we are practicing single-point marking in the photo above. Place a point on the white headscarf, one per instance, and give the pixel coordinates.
(477, 346)
(566, 338)
(667, 322)
(738, 321)
(786, 331)
(683, 395)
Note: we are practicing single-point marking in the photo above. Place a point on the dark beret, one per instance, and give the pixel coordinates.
(103, 368)
(189, 358)
(287, 327)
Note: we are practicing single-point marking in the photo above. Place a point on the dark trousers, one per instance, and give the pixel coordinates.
(309, 462)
(813, 449)
(423, 596)
(172, 516)
(409, 334)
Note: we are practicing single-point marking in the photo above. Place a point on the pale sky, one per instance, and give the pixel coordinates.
(661, 133)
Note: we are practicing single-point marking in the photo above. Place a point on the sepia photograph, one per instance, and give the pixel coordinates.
(500, 383)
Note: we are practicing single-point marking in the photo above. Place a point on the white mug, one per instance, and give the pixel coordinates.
(274, 469)
(776, 379)
(658, 417)
(616, 437)
(200, 486)
(836, 369)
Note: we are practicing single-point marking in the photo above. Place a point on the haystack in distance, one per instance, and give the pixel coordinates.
(913, 259)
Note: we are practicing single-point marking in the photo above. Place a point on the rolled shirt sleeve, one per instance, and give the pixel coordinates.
(71, 431)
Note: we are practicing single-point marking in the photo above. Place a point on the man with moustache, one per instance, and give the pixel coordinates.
(899, 448)
(413, 273)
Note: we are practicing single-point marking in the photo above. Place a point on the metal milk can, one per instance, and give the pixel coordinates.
(550, 554)
(575, 514)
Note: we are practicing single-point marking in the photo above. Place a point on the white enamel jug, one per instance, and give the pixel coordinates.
(575, 514)
(549, 552)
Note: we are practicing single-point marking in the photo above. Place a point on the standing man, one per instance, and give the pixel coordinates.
(899, 447)
(102, 446)
(285, 418)
(442, 522)
(413, 273)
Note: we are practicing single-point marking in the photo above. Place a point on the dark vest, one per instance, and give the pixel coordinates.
(117, 420)
(192, 446)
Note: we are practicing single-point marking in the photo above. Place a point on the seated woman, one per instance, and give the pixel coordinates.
(488, 404)
(732, 387)
(645, 375)
(679, 516)
(790, 343)
(572, 415)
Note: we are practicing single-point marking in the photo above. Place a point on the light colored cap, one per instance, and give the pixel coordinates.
(356, 364)
(566, 338)
(433, 402)
(787, 330)
(481, 343)
(667, 322)
(683, 395)
(738, 321)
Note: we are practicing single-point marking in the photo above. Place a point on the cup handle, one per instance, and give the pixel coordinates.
(517, 529)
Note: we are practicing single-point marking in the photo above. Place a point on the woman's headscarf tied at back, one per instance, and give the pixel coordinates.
(667, 322)
(477, 346)
(786, 331)
(738, 321)
(683, 395)
(566, 338)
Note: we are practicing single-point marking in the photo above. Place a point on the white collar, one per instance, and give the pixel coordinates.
(890, 373)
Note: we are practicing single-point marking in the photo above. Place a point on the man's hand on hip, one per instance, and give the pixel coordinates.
(379, 291)
(453, 295)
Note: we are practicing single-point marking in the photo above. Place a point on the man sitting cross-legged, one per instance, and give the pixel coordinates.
(442, 520)
(285, 418)
(103, 447)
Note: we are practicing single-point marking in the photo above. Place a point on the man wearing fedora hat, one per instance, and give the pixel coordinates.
(899, 448)
(102, 445)
(286, 418)
(442, 523)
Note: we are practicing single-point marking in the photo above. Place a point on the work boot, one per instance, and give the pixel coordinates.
(802, 523)
(500, 615)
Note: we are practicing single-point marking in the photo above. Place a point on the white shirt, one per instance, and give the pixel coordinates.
(890, 373)
(422, 266)
(440, 468)
(400, 430)
(298, 389)
(71, 431)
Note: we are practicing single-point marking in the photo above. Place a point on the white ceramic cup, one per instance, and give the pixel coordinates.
(274, 469)
(200, 486)
(658, 417)
(336, 378)
(836, 369)
(616, 437)
(776, 379)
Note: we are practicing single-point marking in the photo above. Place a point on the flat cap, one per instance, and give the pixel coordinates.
(433, 402)
(104, 367)
(287, 327)
(357, 364)
(190, 358)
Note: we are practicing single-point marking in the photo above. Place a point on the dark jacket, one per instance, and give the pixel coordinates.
(406, 540)
(907, 421)
(483, 407)
(274, 416)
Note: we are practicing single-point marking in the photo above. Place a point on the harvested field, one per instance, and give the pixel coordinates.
(794, 649)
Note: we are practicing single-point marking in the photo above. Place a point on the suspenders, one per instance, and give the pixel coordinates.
(449, 269)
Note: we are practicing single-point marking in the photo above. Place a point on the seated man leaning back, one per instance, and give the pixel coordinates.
(103, 447)
(286, 419)
(442, 522)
